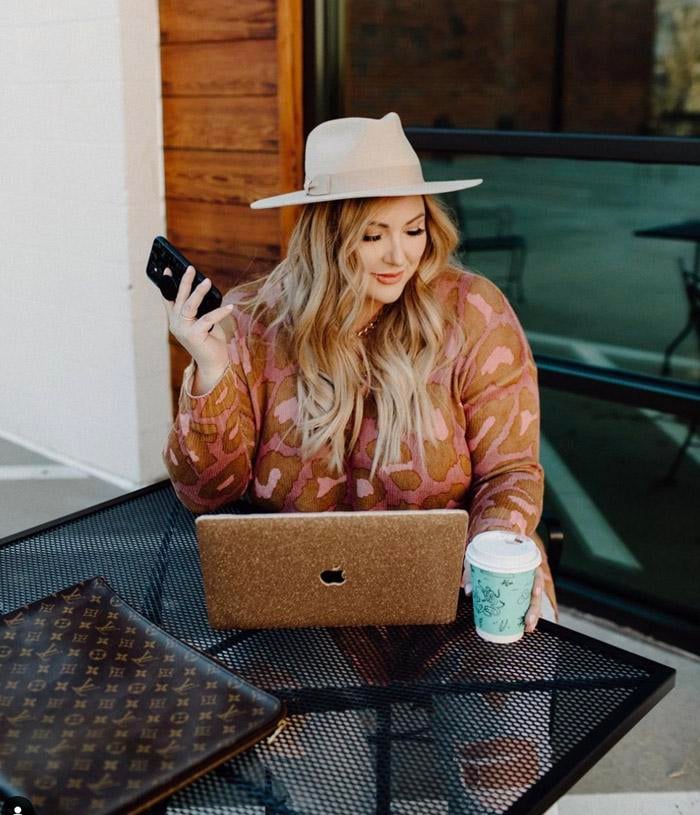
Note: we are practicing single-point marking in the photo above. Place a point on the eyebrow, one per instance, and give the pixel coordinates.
(386, 226)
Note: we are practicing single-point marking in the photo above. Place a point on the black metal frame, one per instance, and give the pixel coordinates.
(623, 387)
(575, 146)
(597, 743)
(8, 540)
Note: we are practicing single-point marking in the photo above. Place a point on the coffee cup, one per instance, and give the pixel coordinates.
(502, 568)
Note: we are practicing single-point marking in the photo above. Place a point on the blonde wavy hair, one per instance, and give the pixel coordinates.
(315, 295)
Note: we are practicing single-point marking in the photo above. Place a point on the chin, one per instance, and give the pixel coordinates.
(386, 294)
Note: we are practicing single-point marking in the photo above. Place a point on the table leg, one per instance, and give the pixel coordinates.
(691, 285)
(669, 478)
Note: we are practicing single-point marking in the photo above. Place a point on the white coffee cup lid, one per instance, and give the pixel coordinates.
(502, 551)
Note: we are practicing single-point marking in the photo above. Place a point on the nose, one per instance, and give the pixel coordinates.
(395, 254)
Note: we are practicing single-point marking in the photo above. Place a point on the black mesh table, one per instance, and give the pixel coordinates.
(400, 719)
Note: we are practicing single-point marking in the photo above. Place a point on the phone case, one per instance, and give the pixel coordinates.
(165, 255)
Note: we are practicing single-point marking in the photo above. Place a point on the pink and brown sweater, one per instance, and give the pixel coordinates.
(240, 437)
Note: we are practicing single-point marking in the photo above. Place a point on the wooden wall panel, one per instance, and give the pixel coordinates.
(227, 228)
(243, 68)
(220, 177)
(233, 132)
(197, 20)
(208, 121)
(290, 98)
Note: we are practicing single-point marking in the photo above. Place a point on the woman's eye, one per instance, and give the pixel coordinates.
(414, 233)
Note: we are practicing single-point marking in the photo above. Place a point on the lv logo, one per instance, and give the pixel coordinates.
(229, 713)
(51, 651)
(103, 783)
(61, 747)
(186, 685)
(76, 594)
(20, 717)
(87, 685)
(143, 659)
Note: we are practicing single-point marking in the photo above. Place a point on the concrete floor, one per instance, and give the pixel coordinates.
(653, 770)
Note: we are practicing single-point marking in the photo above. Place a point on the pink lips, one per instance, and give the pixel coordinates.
(388, 278)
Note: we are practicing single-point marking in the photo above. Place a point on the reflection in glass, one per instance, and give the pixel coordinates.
(590, 66)
(593, 291)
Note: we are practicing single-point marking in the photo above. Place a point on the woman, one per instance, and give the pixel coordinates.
(369, 370)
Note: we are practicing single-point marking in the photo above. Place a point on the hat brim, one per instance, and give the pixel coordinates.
(427, 188)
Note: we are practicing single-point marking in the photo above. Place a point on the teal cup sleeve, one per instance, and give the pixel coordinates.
(501, 600)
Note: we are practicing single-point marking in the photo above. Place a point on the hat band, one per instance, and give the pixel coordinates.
(361, 180)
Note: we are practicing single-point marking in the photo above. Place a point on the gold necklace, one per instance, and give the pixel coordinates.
(370, 325)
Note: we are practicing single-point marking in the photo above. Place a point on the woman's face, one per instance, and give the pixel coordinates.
(391, 249)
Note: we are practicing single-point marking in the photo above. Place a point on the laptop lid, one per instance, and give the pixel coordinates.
(284, 570)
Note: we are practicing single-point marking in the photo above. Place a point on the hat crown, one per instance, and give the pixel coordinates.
(355, 157)
(356, 144)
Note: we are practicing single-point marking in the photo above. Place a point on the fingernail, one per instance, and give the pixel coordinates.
(530, 619)
(538, 590)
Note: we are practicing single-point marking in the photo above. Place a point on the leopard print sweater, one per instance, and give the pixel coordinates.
(240, 437)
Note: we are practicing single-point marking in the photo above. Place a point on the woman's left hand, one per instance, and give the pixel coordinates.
(532, 615)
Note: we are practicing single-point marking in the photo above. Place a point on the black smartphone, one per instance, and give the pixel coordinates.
(165, 256)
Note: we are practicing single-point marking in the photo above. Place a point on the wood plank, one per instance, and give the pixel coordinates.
(221, 177)
(242, 68)
(291, 108)
(226, 228)
(242, 123)
(197, 20)
(179, 357)
(227, 270)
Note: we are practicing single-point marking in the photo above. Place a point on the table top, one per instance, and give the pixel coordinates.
(685, 231)
(424, 719)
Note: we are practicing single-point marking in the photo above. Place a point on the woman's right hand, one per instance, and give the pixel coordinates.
(203, 338)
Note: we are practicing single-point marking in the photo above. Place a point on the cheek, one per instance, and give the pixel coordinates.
(368, 256)
(422, 244)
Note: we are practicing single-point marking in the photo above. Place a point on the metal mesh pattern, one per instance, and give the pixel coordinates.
(416, 719)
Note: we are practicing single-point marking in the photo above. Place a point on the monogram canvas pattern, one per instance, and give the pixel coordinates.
(102, 712)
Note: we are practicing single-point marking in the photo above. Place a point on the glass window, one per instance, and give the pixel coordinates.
(626, 528)
(593, 290)
(587, 66)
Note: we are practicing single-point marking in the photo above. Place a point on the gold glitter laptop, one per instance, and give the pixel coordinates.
(291, 570)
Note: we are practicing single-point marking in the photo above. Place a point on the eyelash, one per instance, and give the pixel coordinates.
(414, 233)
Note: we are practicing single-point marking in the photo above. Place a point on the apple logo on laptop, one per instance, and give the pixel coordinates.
(333, 577)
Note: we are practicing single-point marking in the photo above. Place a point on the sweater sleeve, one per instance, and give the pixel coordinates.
(211, 445)
(501, 406)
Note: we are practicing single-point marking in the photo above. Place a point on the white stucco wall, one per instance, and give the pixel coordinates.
(84, 366)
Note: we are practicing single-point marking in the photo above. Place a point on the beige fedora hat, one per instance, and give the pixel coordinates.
(360, 158)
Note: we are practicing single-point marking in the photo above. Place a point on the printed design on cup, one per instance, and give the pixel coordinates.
(500, 603)
(490, 601)
(502, 568)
